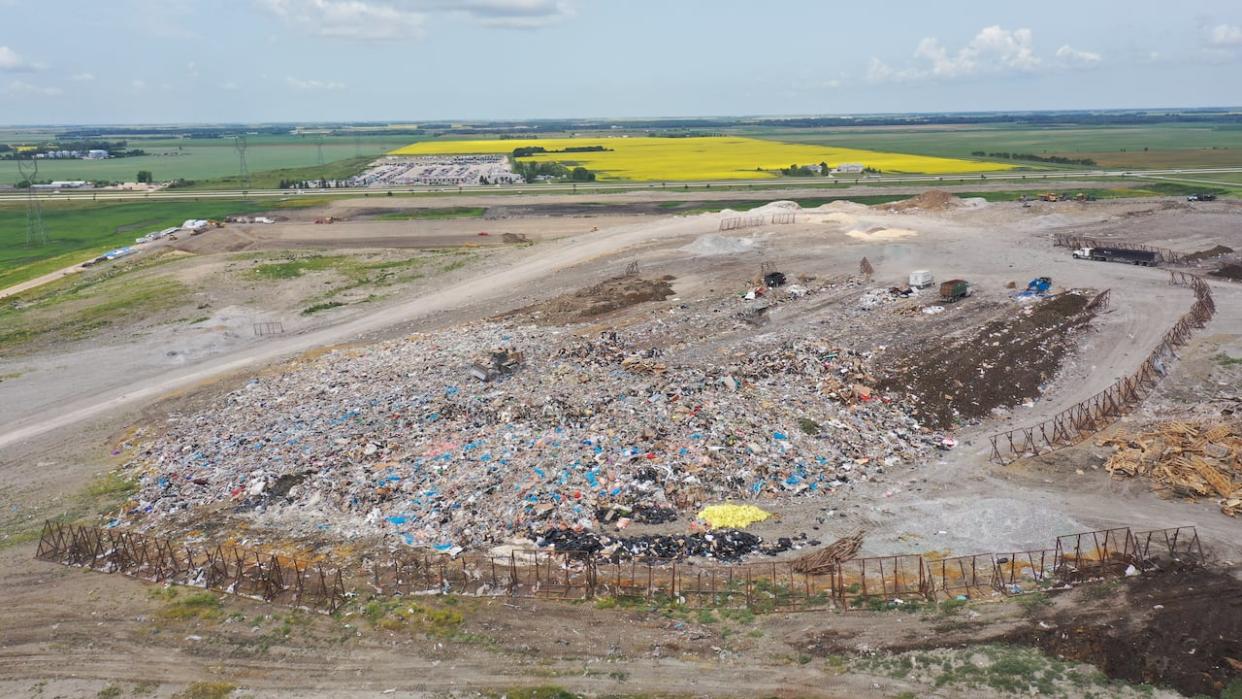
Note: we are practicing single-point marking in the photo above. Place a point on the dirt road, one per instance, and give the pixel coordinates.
(528, 267)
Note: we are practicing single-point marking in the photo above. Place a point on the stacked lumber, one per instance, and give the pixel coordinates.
(1184, 459)
(825, 560)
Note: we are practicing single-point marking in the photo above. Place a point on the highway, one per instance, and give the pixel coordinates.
(757, 184)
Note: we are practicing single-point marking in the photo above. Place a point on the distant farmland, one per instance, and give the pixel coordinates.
(701, 158)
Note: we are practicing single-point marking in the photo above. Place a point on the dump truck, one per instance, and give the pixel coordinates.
(1145, 258)
(955, 290)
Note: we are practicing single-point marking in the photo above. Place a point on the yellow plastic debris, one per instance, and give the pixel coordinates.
(732, 516)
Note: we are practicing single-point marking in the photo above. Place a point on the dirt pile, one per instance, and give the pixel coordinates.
(1184, 460)
(596, 301)
(1180, 628)
(1002, 364)
(1230, 271)
(931, 200)
(1214, 251)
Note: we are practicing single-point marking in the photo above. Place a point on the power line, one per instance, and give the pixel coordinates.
(239, 144)
(36, 234)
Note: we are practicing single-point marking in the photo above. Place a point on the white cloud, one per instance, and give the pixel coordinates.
(138, 84)
(349, 19)
(192, 69)
(83, 77)
(407, 19)
(11, 60)
(993, 51)
(314, 84)
(514, 14)
(1073, 57)
(18, 86)
(1225, 35)
(230, 86)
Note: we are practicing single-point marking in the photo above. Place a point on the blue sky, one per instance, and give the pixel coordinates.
(156, 61)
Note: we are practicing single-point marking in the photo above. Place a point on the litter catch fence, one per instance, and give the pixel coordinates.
(762, 587)
(1067, 240)
(1089, 416)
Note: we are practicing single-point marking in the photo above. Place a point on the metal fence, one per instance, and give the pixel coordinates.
(730, 223)
(1069, 240)
(761, 587)
(1089, 416)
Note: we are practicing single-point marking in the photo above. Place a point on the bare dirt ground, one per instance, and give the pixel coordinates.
(68, 633)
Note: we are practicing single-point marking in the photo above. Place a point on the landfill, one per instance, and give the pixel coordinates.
(482, 434)
(1184, 459)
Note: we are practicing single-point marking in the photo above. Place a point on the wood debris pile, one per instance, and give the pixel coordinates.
(1185, 459)
(826, 559)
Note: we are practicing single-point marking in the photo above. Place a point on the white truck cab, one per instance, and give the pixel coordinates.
(1082, 254)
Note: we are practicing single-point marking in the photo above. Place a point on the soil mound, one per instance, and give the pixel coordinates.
(1215, 251)
(593, 302)
(931, 200)
(1001, 364)
(1230, 271)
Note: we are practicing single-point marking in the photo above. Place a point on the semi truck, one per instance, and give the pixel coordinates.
(1145, 258)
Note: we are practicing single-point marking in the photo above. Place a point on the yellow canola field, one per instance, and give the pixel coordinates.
(701, 158)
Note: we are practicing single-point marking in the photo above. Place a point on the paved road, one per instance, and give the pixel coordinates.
(769, 183)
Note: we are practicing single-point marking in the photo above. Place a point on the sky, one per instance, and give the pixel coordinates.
(253, 61)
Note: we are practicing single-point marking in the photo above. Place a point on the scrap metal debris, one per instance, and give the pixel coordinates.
(826, 559)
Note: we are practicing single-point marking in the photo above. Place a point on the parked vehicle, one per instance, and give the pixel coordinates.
(1145, 258)
(955, 290)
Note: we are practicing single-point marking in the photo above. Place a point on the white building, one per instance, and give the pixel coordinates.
(96, 154)
(848, 169)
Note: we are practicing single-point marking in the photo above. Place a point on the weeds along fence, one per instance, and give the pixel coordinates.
(1089, 416)
(857, 583)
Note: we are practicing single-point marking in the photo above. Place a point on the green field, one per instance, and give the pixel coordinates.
(1147, 146)
(209, 158)
(78, 230)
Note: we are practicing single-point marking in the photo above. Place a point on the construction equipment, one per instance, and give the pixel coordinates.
(1201, 196)
(1145, 258)
(499, 363)
(955, 290)
(1083, 196)
(1049, 196)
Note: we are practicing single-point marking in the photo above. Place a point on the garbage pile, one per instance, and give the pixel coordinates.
(1183, 459)
(727, 545)
(480, 434)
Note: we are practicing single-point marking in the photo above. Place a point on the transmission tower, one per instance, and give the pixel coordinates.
(36, 234)
(243, 170)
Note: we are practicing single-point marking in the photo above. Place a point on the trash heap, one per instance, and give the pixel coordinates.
(444, 440)
(1184, 459)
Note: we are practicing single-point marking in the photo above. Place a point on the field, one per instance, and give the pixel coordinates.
(702, 158)
(1145, 146)
(78, 230)
(208, 158)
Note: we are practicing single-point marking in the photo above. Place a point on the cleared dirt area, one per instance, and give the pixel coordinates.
(71, 411)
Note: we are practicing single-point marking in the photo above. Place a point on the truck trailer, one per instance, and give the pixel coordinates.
(1146, 258)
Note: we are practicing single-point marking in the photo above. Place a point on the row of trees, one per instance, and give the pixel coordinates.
(1057, 159)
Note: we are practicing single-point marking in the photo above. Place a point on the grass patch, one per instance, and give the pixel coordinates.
(202, 606)
(73, 313)
(206, 690)
(441, 213)
(402, 615)
(324, 306)
(80, 230)
(1222, 359)
(103, 494)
